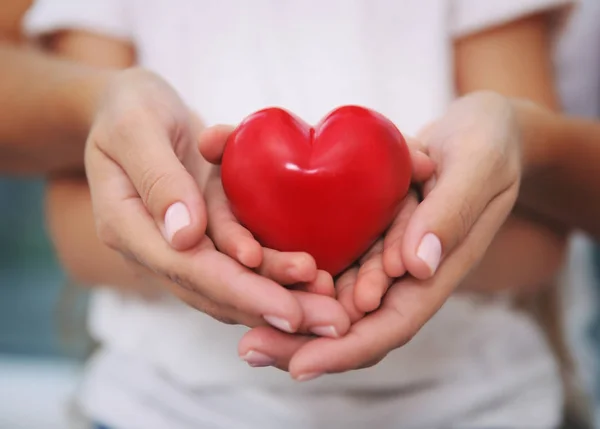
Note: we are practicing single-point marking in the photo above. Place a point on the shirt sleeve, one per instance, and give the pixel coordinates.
(106, 17)
(472, 16)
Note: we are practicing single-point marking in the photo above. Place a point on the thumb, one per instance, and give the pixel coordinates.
(168, 191)
(212, 142)
(443, 220)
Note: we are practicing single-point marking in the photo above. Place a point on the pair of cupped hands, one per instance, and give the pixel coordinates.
(158, 202)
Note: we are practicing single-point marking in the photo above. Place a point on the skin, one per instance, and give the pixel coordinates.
(483, 210)
(124, 211)
(63, 100)
(407, 304)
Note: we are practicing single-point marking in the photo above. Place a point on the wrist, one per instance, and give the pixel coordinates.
(86, 90)
(537, 137)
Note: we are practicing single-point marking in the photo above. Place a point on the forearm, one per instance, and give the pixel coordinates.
(84, 257)
(47, 106)
(562, 168)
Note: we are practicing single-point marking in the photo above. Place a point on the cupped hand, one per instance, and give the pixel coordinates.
(477, 151)
(147, 179)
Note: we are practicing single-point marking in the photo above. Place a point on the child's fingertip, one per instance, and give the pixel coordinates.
(250, 255)
(324, 283)
(366, 298)
(304, 268)
(392, 262)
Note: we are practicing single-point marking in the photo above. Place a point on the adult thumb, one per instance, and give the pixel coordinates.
(443, 220)
(167, 189)
(212, 142)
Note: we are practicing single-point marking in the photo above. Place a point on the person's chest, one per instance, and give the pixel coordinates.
(230, 58)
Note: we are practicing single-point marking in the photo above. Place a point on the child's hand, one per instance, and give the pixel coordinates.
(478, 155)
(231, 238)
(313, 289)
(359, 289)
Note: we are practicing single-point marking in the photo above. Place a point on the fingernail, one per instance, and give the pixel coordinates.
(308, 376)
(177, 217)
(257, 359)
(325, 331)
(279, 323)
(430, 251)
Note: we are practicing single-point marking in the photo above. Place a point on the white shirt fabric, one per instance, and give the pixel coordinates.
(162, 364)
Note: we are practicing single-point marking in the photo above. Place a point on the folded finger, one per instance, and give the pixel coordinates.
(265, 346)
(288, 268)
(392, 261)
(322, 285)
(372, 281)
(345, 294)
(228, 235)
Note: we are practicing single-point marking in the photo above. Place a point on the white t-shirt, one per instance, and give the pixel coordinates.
(475, 364)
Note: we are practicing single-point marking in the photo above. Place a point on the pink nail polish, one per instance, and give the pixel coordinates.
(258, 359)
(325, 331)
(177, 217)
(279, 323)
(309, 376)
(430, 251)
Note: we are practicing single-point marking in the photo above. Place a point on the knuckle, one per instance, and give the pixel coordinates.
(371, 267)
(153, 183)
(213, 310)
(465, 219)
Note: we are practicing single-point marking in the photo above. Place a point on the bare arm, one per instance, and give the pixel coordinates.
(562, 181)
(71, 225)
(69, 208)
(47, 106)
(527, 251)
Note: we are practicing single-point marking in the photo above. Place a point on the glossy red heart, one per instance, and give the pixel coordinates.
(331, 190)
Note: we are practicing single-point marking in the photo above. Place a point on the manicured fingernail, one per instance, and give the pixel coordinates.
(279, 323)
(177, 217)
(308, 376)
(258, 359)
(430, 251)
(325, 331)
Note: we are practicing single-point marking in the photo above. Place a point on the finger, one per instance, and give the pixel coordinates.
(345, 294)
(203, 270)
(446, 216)
(392, 247)
(226, 232)
(323, 316)
(265, 346)
(146, 154)
(322, 285)
(372, 281)
(407, 306)
(422, 165)
(212, 142)
(288, 268)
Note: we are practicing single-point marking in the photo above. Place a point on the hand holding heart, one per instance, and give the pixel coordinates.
(366, 208)
(477, 151)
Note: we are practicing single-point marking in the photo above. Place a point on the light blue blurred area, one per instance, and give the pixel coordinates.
(42, 332)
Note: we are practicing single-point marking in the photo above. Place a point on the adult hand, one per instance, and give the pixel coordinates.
(477, 150)
(146, 178)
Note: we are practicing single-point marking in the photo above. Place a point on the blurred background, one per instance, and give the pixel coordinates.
(42, 318)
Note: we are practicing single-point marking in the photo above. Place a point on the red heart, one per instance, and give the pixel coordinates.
(330, 191)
